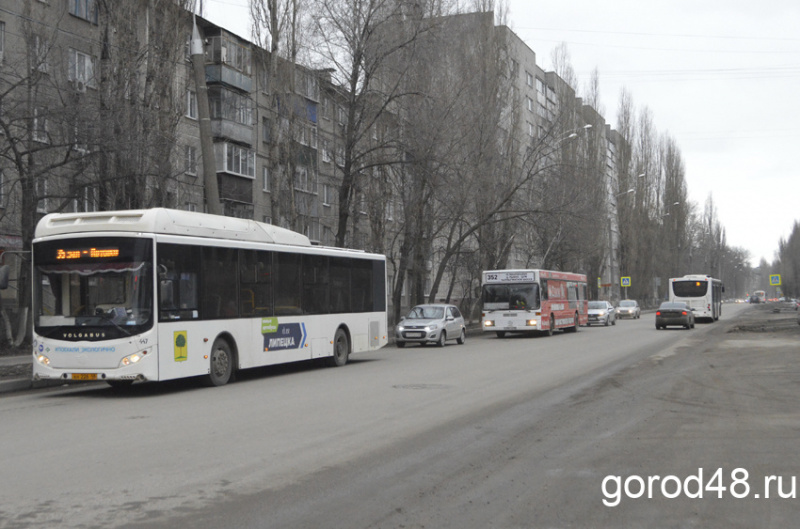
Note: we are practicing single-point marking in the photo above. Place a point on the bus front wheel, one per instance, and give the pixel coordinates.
(220, 367)
(552, 326)
(341, 349)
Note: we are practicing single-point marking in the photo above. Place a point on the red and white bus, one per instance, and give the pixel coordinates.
(533, 300)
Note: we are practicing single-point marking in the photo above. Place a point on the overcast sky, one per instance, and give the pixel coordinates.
(722, 77)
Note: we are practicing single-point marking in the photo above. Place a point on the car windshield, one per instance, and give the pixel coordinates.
(426, 313)
(627, 303)
(597, 304)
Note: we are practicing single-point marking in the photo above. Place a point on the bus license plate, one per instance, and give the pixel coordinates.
(84, 376)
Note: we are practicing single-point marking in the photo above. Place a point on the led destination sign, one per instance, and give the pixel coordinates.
(94, 253)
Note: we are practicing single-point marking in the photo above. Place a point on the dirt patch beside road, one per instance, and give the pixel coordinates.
(765, 319)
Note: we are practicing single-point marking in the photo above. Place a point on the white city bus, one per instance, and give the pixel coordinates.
(160, 294)
(533, 300)
(702, 293)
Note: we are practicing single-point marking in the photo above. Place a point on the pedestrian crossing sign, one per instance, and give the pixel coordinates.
(625, 281)
(775, 280)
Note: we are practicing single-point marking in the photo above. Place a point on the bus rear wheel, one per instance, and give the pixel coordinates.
(575, 324)
(220, 368)
(341, 349)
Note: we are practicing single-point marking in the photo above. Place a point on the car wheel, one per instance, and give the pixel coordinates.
(500, 334)
(401, 344)
(658, 327)
(463, 338)
(614, 322)
(606, 324)
(442, 339)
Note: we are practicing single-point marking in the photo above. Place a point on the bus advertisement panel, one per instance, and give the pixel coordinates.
(533, 300)
(149, 295)
(702, 293)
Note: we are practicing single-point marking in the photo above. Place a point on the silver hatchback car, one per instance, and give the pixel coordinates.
(434, 323)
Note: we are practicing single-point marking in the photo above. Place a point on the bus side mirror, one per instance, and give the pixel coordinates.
(4, 272)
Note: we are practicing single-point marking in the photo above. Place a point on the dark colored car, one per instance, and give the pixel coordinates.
(674, 313)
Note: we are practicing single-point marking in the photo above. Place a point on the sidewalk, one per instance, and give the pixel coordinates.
(23, 381)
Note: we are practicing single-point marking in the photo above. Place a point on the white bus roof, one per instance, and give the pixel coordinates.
(168, 221)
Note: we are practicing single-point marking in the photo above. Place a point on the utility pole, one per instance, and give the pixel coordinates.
(213, 204)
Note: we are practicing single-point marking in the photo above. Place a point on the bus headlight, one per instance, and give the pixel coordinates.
(42, 359)
(488, 323)
(130, 359)
(531, 323)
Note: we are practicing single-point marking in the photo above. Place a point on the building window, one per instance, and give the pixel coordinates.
(191, 160)
(79, 143)
(230, 106)
(326, 108)
(304, 180)
(85, 9)
(2, 38)
(529, 104)
(235, 159)
(39, 53)
(40, 187)
(265, 126)
(191, 104)
(81, 68)
(528, 79)
(326, 153)
(191, 206)
(265, 179)
(88, 200)
(39, 125)
(2, 189)
(327, 195)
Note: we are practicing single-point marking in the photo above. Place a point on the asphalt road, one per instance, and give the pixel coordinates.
(513, 433)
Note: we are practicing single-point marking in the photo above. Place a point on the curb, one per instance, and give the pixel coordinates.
(23, 384)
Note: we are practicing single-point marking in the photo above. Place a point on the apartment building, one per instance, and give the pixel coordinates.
(104, 114)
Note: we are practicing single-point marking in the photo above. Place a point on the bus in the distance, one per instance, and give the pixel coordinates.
(533, 300)
(759, 296)
(702, 293)
(160, 294)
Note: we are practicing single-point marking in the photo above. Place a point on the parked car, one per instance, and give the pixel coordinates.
(629, 308)
(433, 323)
(674, 313)
(602, 312)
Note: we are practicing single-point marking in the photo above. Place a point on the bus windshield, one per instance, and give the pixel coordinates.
(93, 288)
(689, 289)
(520, 296)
